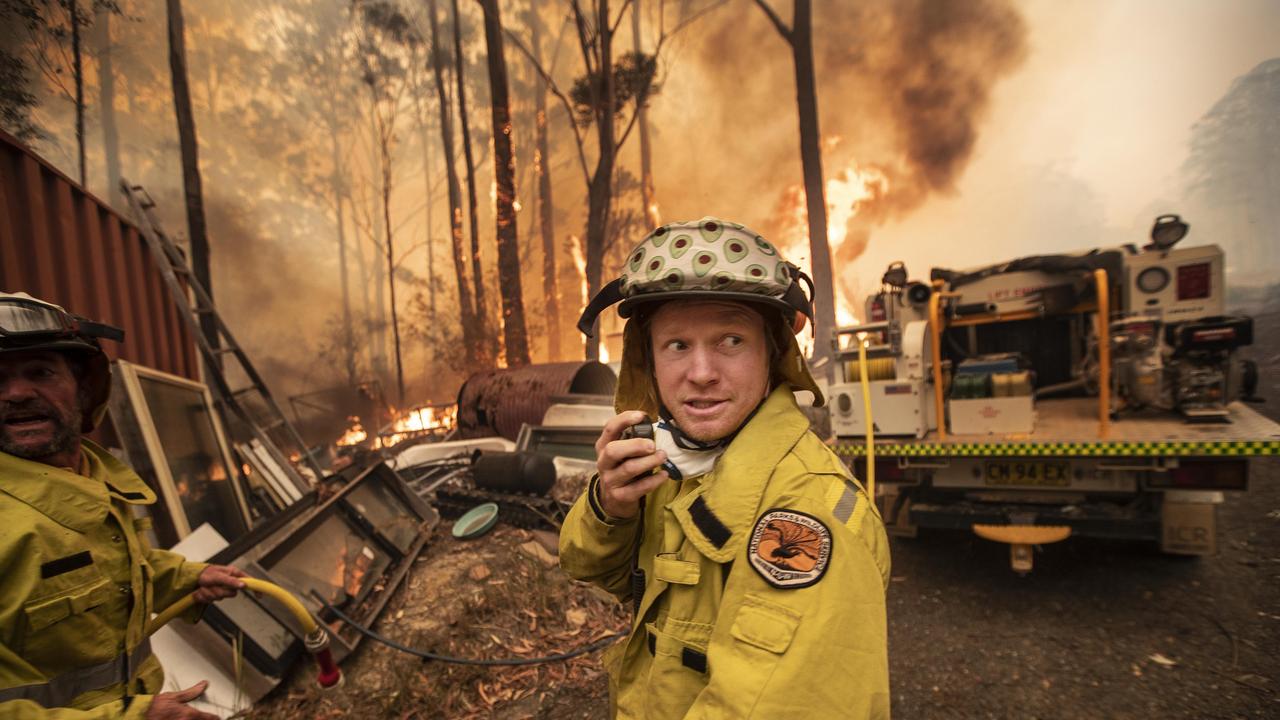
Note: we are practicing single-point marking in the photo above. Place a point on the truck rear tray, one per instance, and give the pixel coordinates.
(1069, 428)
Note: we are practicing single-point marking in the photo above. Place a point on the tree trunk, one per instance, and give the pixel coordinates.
(648, 193)
(546, 209)
(385, 139)
(466, 310)
(815, 195)
(348, 333)
(514, 334)
(362, 274)
(77, 63)
(378, 338)
(487, 339)
(425, 139)
(107, 102)
(196, 228)
(599, 193)
(337, 186)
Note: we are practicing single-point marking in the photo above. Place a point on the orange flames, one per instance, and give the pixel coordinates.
(354, 435)
(425, 420)
(580, 263)
(847, 193)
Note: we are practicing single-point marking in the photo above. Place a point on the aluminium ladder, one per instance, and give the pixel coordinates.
(274, 431)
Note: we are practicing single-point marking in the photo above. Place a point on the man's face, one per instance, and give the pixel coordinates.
(711, 364)
(40, 408)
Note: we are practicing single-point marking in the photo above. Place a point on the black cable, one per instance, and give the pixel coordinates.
(426, 655)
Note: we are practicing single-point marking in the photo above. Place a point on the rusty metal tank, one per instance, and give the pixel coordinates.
(499, 402)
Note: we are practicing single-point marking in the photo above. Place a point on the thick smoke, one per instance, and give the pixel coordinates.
(943, 60)
(903, 87)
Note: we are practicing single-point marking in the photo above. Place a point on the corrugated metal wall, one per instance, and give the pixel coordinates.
(61, 244)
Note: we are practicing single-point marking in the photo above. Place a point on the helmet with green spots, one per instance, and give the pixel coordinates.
(707, 258)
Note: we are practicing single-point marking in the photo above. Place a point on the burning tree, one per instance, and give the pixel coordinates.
(800, 37)
(599, 99)
(515, 338)
(384, 75)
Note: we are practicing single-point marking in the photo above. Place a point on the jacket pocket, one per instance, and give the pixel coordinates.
(48, 610)
(765, 625)
(678, 669)
(745, 663)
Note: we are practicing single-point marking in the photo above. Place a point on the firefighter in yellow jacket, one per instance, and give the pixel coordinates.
(79, 579)
(755, 563)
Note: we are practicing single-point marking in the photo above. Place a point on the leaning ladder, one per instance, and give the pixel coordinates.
(270, 427)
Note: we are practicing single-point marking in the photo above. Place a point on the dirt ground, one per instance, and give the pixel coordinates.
(1099, 629)
(499, 596)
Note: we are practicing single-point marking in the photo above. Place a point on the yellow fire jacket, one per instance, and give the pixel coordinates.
(79, 585)
(765, 584)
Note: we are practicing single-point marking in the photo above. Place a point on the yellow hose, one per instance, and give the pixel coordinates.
(1104, 353)
(866, 407)
(935, 347)
(309, 625)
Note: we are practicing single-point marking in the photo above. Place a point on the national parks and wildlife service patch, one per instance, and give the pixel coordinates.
(789, 549)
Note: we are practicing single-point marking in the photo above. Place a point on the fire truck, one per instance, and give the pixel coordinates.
(1095, 394)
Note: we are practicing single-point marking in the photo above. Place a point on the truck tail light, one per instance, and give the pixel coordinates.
(1200, 475)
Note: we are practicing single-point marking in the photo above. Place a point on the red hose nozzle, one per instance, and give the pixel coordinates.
(329, 675)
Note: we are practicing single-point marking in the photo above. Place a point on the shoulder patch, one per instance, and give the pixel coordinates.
(789, 549)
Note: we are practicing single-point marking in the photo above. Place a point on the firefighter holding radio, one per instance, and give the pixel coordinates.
(755, 563)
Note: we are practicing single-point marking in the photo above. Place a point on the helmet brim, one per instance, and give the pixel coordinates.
(628, 306)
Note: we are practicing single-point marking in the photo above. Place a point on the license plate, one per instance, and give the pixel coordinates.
(1038, 474)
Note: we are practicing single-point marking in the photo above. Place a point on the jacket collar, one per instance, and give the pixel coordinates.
(78, 502)
(717, 515)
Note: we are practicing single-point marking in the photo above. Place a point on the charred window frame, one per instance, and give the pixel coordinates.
(377, 512)
(141, 406)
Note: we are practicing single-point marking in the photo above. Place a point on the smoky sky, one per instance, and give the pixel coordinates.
(902, 86)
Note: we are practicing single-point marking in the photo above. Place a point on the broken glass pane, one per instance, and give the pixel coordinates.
(334, 560)
(195, 459)
(386, 513)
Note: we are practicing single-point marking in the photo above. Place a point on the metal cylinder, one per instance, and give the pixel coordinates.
(499, 402)
(877, 369)
(513, 472)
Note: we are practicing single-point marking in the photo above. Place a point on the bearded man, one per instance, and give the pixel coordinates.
(80, 580)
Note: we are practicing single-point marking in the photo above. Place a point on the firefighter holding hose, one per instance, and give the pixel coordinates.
(755, 563)
(80, 581)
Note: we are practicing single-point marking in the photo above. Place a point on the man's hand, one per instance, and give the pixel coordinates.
(623, 466)
(218, 582)
(173, 705)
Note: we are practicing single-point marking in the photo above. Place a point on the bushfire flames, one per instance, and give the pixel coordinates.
(354, 435)
(847, 193)
(411, 423)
